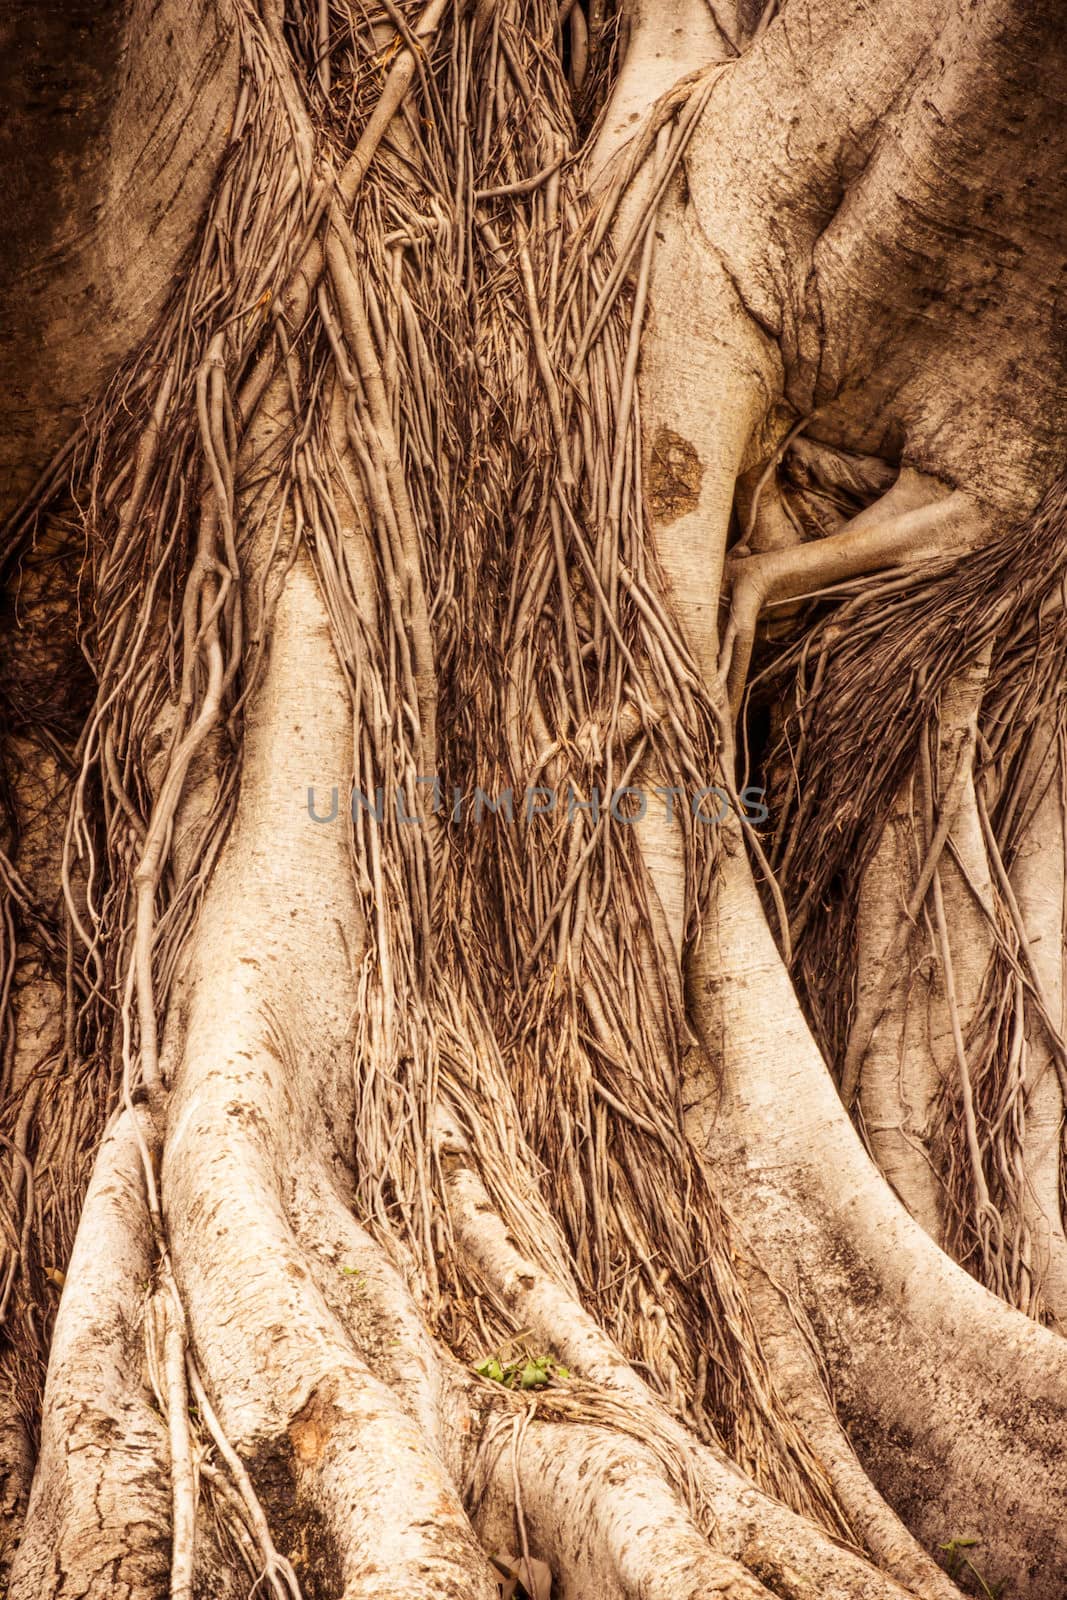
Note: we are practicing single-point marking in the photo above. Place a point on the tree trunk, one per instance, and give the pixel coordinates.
(469, 457)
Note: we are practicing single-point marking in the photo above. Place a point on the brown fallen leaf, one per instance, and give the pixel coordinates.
(534, 1576)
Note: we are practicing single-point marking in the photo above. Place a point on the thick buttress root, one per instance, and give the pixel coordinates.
(792, 1555)
(915, 1382)
(97, 1518)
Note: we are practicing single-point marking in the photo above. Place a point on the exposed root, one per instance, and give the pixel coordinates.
(902, 528)
(802, 1383)
(905, 1048)
(623, 1534)
(928, 1367)
(98, 1519)
(788, 1552)
(1034, 1102)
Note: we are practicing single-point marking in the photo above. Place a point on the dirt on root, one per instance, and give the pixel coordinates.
(300, 1530)
(673, 476)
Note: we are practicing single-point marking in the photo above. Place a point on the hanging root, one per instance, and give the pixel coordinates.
(1030, 1101)
(907, 525)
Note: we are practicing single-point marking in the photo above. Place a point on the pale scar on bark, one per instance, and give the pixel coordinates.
(673, 477)
(309, 1431)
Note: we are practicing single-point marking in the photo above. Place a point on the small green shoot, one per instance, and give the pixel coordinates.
(957, 1560)
(526, 1372)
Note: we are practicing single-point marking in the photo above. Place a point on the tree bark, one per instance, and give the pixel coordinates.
(471, 1191)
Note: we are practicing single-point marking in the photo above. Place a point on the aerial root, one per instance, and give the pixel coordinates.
(903, 528)
(940, 1001)
(1031, 1101)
